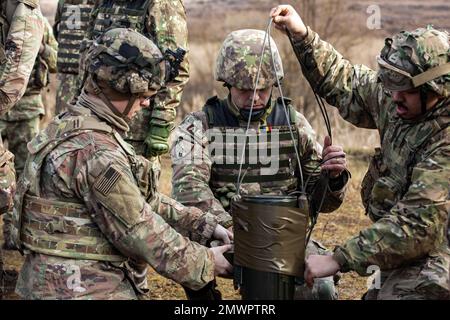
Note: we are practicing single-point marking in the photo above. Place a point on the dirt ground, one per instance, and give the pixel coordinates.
(331, 230)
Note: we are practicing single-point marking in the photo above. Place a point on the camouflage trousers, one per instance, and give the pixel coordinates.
(425, 280)
(66, 91)
(18, 134)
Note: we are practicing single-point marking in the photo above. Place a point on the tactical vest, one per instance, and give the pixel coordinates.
(122, 13)
(74, 22)
(61, 227)
(389, 175)
(225, 166)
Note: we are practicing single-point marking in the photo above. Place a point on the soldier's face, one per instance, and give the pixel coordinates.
(140, 103)
(243, 98)
(409, 105)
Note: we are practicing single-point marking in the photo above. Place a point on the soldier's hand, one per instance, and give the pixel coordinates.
(221, 265)
(156, 142)
(318, 266)
(285, 17)
(334, 160)
(222, 234)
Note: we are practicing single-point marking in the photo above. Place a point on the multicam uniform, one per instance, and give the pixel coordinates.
(87, 211)
(71, 21)
(206, 179)
(21, 123)
(21, 30)
(165, 23)
(406, 189)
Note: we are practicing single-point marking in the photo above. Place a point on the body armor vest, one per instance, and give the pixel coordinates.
(74, 22)
(121, 14)
(61, 227)
(227, 154)
(389, 174)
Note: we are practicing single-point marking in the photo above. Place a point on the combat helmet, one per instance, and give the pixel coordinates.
(417, 59)
(128, 63)
(238, 61)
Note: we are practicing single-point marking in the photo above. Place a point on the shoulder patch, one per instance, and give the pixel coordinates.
(107, 181)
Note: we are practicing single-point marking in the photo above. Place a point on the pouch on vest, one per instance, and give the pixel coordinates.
(374, 172)
(385, 194)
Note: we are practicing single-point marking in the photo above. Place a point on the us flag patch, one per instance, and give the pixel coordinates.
(108, 181)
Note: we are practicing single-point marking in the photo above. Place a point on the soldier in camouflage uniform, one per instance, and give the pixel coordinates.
(86, 209)
(71, 21)
(164, 22)
(19, 125)
(207, 182)
(405, 191)
(21, 30)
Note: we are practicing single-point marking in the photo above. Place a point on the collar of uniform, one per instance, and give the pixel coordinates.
(101, 110)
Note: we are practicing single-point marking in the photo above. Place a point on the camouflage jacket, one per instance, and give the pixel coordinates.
(22, 27)
(45, 63)
(410, 198)
(194, 185)
(165, 24)
(132, 216)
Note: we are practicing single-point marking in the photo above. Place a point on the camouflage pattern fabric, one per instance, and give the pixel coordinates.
(193, 184)
(410, 204)
(19, 125)
(22, 31)
(135, 220)
(128, 73)
(413, 53)
(239, 57)
(68, 85)
(165, 24)
(18, 134)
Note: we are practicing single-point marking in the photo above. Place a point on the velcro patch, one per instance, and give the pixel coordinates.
(108, 181)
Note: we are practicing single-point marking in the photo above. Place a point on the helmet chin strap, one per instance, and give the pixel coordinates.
(129, 105)
(99, 92)
(423, 100)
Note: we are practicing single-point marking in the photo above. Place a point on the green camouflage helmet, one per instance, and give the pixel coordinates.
(238, 61)
(127, 61)
(413, 59)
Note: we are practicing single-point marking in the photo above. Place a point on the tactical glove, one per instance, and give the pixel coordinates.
(156, 142)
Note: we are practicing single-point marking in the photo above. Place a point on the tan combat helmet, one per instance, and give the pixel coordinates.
(129, 63)
(420, 58)
(239, 57)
